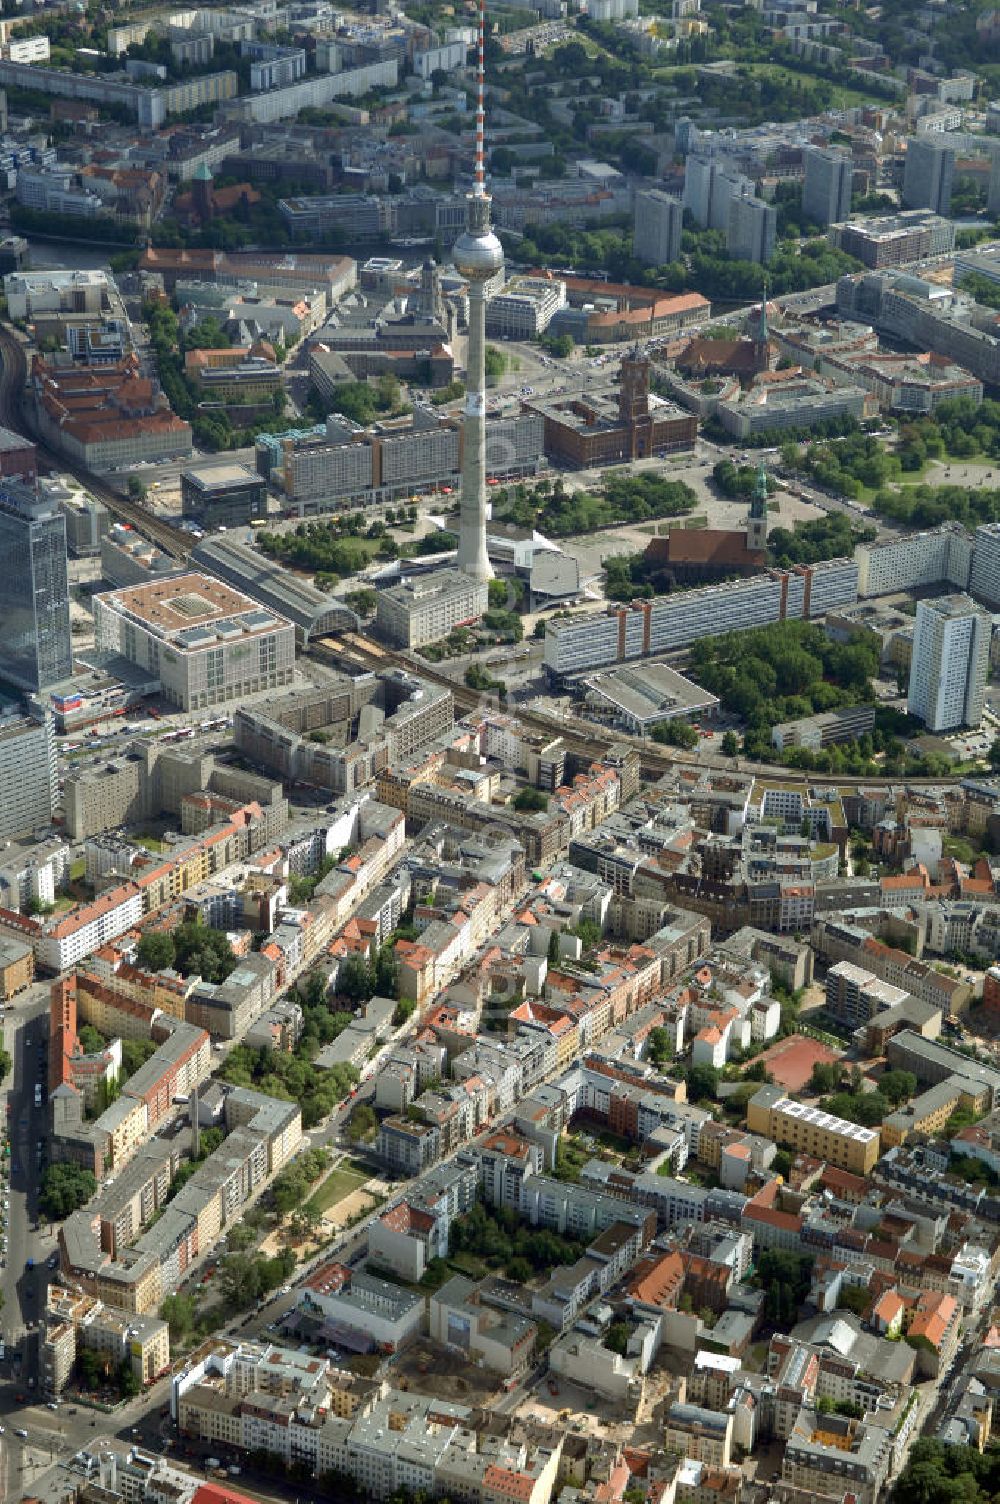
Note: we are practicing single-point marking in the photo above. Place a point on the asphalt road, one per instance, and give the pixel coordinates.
(25, 1029)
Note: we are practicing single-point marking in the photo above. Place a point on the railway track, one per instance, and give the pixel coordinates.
(14, 414)
(587, 741)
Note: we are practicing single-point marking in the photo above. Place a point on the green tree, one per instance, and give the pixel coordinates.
(363, 1124)
(202, 951)
(91, 1040)
(869, 1108)
(856, 1298)
(530, 799)
(155, 951)
(703, 1083)
(675, 733)
(730, 744)
(616, 1337)
(659, 1046)
(386, 973)
(65, 1188)
(179, 1312)
(785, 1278)
(588, 932)
(135, 1053)
(897, 1086)
(355, 980)
(403, 1011)
(825, 1078)
(89, 1369)
(559, 345)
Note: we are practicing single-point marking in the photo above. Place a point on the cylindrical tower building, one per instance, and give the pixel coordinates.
(478, 255)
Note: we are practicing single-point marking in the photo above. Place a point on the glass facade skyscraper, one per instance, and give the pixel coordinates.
(35, 644)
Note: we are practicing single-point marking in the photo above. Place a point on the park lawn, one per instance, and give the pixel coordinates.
(469, 1264)
(338, 1184)
(843, 94)
(961, 848)
(77, 870)
(356, 1167)
(151, 843)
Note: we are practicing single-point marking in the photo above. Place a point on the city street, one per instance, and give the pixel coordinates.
(25, 1029)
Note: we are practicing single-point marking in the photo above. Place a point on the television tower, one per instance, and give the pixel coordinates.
(478, 255)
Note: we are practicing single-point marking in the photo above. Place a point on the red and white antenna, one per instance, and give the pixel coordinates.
(480, 184)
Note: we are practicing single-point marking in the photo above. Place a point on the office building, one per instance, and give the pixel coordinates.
(107, 416)
(18, 458)
(327, 467)
(928, 315)
(225, 495)
(525, 308)
(824, 729)
(810, 1131)
(426, 607)
(55, 190)
(87, 520)
(929, 174)
(752, 228)
(826, 188)
(35, 645)
(984, 577)
(149, 106)
(27, 774)
(657, 227)
(931, 1062)
(799, 402)
(208, 643)
(598, 639)
(127, 558)
(950, 665)
(895, 239)
(245, 376)
(941, 555)
(31, 294)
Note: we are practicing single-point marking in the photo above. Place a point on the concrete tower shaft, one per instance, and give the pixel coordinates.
(478, 256)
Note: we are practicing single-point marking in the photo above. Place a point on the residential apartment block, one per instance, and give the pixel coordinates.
(811, 1131)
